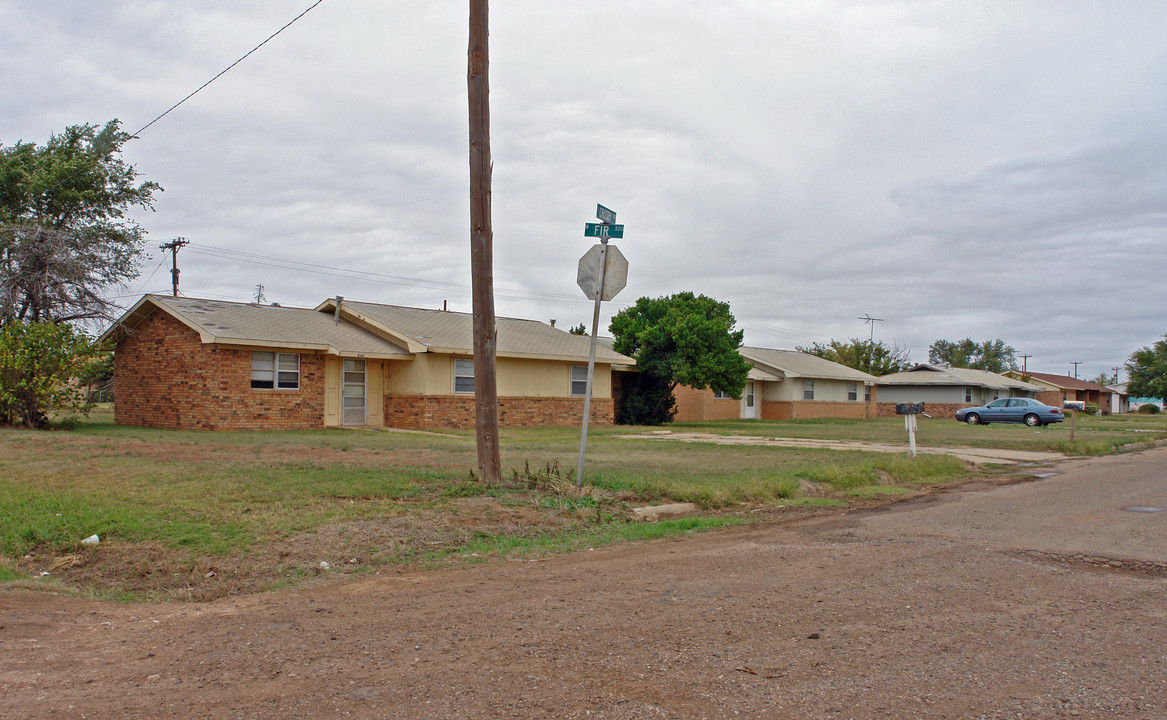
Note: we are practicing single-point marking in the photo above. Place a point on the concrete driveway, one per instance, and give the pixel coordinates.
(976, 456)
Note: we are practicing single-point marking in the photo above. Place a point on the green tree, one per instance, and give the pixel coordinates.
(39, 366)
(1147, 370)
(873, 358)
(992, 355)
(578, 330)
(64, 234)
(1103, 379)
(681, 339)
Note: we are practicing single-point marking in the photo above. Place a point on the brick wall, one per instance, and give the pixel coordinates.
(809, 409)
(1051, 397)
(457, 411)
(165, 377)
(696, 405)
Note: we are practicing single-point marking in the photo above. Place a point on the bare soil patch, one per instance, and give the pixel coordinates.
(828, 616)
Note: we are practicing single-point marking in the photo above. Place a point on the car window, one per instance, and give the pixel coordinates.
(1016, 403)
(997, 403)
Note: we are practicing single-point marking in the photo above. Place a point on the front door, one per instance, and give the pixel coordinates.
(749, 411)
(353, 393)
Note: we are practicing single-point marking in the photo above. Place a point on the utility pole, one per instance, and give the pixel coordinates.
(482, 247)
(1023, 359)
(1076, 364)
(173, 247)
(1115, 375)
(870, 321)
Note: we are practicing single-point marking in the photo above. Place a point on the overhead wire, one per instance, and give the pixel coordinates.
(226, 69)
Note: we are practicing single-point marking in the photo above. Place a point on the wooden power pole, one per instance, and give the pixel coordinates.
(173, 247)
(481, 248)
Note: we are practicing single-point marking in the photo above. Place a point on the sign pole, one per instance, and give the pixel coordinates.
(583, 438)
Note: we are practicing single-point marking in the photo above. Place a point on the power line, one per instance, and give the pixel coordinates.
(333, 271)
(224, 70)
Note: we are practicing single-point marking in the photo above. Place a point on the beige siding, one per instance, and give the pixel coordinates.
(375, 392)
(433, 374)
(426, 374)
(790, 390)
(543, 378)
(331, 391)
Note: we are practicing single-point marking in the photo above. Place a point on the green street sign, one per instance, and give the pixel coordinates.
(601, 230)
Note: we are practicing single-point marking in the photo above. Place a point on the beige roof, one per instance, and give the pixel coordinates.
(781, 364)
(452, 332)
(925, 374)
(259, 325)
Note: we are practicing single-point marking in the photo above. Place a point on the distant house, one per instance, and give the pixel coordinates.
(1120, 402)
(1131, 404)
(944, 390)
(1056, 390)
(785, 385)
(211, 365)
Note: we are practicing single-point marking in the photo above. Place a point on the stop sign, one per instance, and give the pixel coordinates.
(615, 272)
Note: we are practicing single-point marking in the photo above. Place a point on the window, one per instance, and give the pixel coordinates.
(808, 389)
(271, 370)
(968, 394)
(721, 395)
(579, 380)
(867, 393)
(463, 376)
(852, 391)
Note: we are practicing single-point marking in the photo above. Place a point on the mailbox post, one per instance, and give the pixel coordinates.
(910, 411)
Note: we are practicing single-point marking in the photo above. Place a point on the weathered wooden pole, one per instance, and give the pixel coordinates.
(481, 248)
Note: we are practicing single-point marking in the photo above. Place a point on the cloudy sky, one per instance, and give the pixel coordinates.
(958, 169)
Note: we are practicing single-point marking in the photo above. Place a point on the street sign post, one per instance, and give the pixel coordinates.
(603, 272)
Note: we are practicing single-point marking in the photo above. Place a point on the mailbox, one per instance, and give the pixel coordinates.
(909, 408)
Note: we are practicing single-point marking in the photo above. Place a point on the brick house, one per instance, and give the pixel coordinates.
(211, 365)
(944, 390)
(1056, 390)
(785, 385)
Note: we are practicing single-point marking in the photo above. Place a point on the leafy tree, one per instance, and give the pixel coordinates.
(1103, 379)
(1147, 370)
(64, 234)
(681, 339)
(873, 358)
(39, 364)
(991, 355)
(578, 330)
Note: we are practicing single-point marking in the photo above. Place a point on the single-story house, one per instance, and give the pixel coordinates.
(944, 390)
(785, 385)
(212, 365)
(1120, 401)
(1056, 390)
(1132, 404)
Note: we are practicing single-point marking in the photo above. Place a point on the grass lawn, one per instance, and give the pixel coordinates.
(195, 515)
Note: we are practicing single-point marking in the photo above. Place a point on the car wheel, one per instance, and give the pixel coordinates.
(972, 419)
(1032, 420)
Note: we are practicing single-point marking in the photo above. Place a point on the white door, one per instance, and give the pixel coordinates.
(353, 393)
(749, 412)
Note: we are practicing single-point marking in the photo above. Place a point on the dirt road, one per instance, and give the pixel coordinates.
(1037, 600)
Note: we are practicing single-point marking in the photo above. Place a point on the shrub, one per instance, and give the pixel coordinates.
(39, 364)
(1149, 409)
